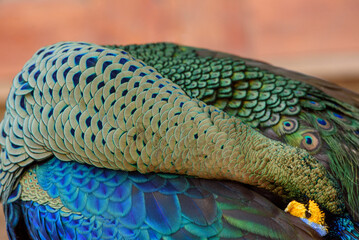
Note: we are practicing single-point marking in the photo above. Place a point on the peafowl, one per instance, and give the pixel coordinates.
(162, 141)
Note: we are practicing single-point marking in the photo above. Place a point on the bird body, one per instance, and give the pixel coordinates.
(92, 137)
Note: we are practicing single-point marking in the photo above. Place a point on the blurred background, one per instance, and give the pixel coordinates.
(319, 38)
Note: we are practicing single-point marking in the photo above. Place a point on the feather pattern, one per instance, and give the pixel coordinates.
(86, 126)
(195, 212)
(299, 110)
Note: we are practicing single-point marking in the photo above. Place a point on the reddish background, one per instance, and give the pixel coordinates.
(316, 37)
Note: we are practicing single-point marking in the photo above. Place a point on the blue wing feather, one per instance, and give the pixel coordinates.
(128, 205)
(136, 216)
(163, 212)
(201, 211)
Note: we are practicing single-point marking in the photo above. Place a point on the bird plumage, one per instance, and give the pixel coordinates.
(299, 110)
(79, 201)
(87, 104)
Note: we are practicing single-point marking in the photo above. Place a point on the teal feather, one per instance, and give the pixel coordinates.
(163, 212)
(24, 89)
(137, 214)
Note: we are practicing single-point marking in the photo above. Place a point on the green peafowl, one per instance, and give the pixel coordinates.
(162, 141)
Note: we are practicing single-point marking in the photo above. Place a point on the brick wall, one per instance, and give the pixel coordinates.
(316, 37)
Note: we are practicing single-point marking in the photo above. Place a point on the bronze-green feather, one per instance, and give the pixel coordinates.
(296, 109)
(94, 105)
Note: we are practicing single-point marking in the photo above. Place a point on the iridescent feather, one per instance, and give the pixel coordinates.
(68, 200)
(296, 109)
(101, 106)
